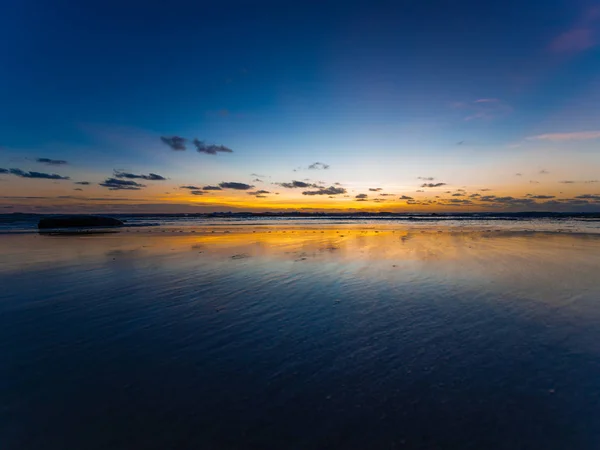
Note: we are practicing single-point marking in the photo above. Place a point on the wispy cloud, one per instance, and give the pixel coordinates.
(211, 188)
(175, 142)
(331, 190)
(375, 189)
(483, 108)
(318, 166)
(432, 185)
(190, 187)
(132, 176)
(582, 35)
(235, 185)
(40, 175)
(258, 193)
(51, 162)
(83, 183)
(210, 149)
(543, 172)
(574, 136)
(298, 184)
(426, 178)
(115, 184)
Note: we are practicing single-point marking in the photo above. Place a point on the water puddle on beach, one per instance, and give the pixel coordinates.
(300, 337)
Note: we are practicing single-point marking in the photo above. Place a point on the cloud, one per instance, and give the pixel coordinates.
(236, 186)
(589, 197)
(190, 187)
(197, 192)
(257, 193)
(386, 195)
(175, 142)
(361, 196)
(426, 178)
(212, 188)
(115, 184)
(543, 172)
(406, 197)
(132, 176)
(574, 41)
(543, 197)
(83, 183)
(518, 174)
(331, 190)
(484, 108)
(40, 175)
(534, 182)
(574, 136)
(78, 189)
(51, 162)
(257, 175)
(318, 166)
(432, 185)
(458, 194)
(257, 180)
(298, 184)
(210, 149)
(375, 189)
(360, 200)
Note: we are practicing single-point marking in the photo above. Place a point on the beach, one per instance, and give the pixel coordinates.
(287, 335)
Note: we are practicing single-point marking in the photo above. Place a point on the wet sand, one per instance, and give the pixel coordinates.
(300, 337)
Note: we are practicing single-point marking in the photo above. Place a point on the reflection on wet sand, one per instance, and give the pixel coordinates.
(325, 337)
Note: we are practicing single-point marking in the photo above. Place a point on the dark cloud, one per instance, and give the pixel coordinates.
(458, 194)
(51, 162)
(420, 190)
(257, 180)
(543, 172)
(386, 195)
(132, 176)
(190, 187)
(485, 190)
(361, 196)
(83, 183)
(375, 189)
(406, 197)
(298, 184)
(589, 197)
(3, 170)
(257, 175)
(257, 193)
(318, 166)
(543, 197)
(568, 182)
(261, 196)
(175, 142)
(426, 178)
(115, 184)
(518, 174)
(234, 185)
(197, 192)
(331, 190)
(474, 195)
(432, 185)
(212, 188)
(40, 175)
(210, 149)
(78, 189)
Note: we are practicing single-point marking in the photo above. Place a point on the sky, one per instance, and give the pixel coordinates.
(198, 106)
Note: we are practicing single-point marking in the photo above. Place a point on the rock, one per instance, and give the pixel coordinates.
(80, 221)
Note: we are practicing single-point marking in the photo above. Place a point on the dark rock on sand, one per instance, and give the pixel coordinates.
(82, 221)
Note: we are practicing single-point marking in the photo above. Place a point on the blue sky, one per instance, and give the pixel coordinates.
(382, 92)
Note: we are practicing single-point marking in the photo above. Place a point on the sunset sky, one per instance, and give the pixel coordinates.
(439, 106)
